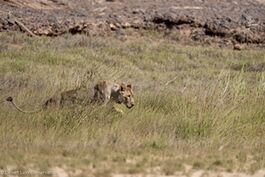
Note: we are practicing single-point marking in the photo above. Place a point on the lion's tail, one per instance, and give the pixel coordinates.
(10, 99)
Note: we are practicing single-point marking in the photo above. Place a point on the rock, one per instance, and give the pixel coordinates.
(112, 26)
(238, 47)
(126, 25)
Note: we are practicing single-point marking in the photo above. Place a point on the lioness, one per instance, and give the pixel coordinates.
(104, 92)
(120, 93)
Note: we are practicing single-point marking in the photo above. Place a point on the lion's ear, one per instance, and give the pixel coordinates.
(129, 86)
(122, 88)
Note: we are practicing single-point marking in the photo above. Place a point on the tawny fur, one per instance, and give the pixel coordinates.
(104, 92)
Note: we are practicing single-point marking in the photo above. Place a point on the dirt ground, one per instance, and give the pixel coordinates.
(60, 172)
(235, 23)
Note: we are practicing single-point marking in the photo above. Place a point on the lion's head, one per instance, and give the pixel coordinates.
(126, 95)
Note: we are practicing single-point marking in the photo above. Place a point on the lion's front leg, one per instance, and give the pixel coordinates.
(114, 108)
(118, 110)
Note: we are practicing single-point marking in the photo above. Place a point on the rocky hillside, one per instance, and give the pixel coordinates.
(225, 23)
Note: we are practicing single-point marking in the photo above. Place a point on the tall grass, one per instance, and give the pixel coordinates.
(210, 116)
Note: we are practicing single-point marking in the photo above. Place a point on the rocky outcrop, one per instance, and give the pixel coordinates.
(224, 22)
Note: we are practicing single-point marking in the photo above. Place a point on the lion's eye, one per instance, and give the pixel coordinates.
(129, 96)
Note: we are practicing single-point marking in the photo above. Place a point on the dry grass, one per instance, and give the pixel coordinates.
(211, 116)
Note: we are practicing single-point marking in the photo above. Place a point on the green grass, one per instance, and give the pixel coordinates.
(210, 116)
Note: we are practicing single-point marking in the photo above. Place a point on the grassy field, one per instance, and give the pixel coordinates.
(196, 107)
